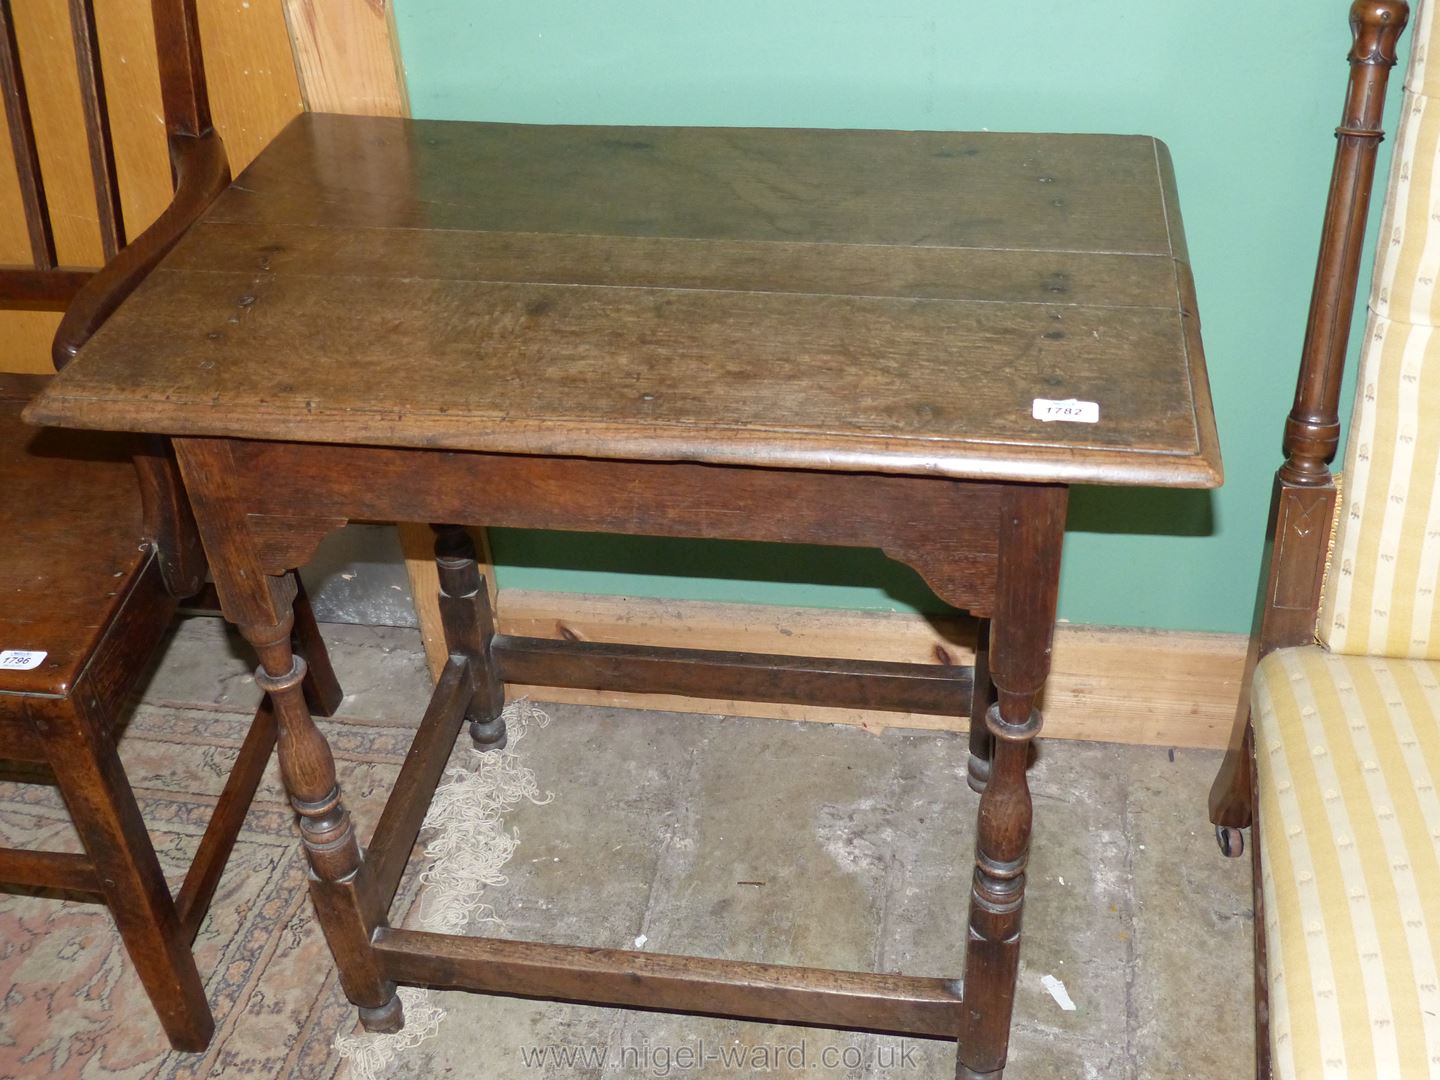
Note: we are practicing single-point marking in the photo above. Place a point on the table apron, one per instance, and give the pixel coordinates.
(293, 494)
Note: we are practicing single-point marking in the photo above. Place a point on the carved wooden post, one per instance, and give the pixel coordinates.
(1032, 529)
(1312, 431)
(261, 606)
(1302, 503)
(469, 628)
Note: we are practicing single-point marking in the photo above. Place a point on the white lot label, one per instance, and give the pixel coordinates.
(21, 659)
(1073, 409)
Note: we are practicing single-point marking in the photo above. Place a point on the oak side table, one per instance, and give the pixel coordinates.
(907, 340)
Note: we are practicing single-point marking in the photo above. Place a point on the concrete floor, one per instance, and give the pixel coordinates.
(830, 846)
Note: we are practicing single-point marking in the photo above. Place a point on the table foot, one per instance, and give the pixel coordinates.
(489, 735)
(385, 1020)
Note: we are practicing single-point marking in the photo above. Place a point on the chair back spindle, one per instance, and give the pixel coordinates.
(182, 70)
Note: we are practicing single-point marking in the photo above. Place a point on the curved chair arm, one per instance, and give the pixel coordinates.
(202, 172)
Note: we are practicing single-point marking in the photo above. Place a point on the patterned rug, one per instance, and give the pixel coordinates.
(73, 1006)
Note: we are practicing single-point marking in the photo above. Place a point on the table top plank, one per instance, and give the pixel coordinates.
(901, 188)
(1062, 278)
(877, 301)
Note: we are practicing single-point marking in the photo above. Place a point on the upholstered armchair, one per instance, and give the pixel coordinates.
(1344, 703)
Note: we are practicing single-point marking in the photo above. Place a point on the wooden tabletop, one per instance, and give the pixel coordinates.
(840, 300)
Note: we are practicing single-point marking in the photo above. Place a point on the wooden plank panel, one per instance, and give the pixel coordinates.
(741, 374)
(254, 91)
(927, 189)
(454, 364)
(43, 30)
(1061, 280)
(132, 84)
(346, 56)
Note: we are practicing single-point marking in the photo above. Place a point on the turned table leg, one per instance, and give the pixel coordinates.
(469, 628)
(326, 831)
(1031, 532)
(261, 605)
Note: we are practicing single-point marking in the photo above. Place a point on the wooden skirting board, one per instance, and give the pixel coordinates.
(1149, 687)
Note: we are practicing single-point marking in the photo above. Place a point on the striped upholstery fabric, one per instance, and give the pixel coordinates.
(1348, 754)
(1380, 595)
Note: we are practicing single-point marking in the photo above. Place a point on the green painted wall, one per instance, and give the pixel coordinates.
(1246, 103)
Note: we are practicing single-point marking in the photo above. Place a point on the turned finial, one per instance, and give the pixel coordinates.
(1377, 25)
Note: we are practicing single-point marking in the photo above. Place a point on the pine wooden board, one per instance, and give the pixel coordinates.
(1147, 687)
(417, 542)
(346, 56)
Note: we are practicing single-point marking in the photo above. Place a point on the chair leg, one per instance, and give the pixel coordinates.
(322, 689)
(102, 805)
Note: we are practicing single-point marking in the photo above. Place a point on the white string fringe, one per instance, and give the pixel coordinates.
(468, 847)
(370, 1056)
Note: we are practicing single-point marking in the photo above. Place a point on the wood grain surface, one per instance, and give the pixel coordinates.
(836, 300)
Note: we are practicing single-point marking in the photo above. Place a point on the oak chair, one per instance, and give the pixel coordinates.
(101, 546)
(1337, 749)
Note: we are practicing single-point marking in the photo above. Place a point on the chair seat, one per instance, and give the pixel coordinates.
(75, 499)
(1347, 751)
